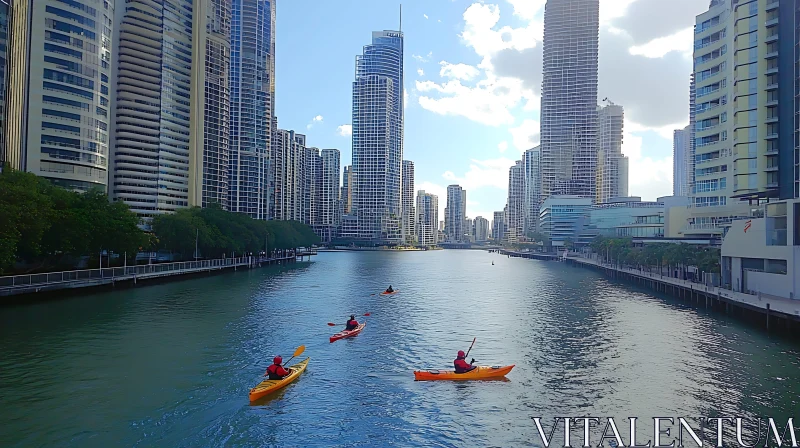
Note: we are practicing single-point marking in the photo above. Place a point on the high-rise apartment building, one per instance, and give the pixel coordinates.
(59, 83)
(481, 229)
(456, 214)
(427, 226)
(378, 138)
(569, 97)
(612, 165)
(252, 108)
(409, 216)
(289, 171)
(681, 158)
(498, 226)
(4, 22)
(326, 200)
(171, 106)
(347, 189)
(515, 215)
(533, 188)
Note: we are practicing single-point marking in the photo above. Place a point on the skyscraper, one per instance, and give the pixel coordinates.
(515, 216)
(60, 64)
(533, 188)
(378, 138)
(427, 226)
(326, 200)
(481, 229)
(456, 214)
(409, 216)
(4, 22)
(252, 110)
(498, 226)
(612, 165)
(171, 102)
(681, 158)
(347, 189)
(569, 97)
(289, 168)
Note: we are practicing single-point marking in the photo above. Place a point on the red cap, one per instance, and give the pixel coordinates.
(461, 354)
(277, 360)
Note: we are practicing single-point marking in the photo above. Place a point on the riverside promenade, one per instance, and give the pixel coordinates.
(14, 285)
(771, 310)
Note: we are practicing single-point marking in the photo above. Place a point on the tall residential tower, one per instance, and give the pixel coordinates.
(612, 165)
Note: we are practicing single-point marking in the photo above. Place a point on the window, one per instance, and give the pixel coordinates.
(68, 89)
(62, 114)
(62, 50)
(65, 102)
(60, 127)
(71, 16)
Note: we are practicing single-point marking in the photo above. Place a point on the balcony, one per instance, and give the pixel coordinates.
(772, 136)
(771, 151)
(771, 22)
(771, 70)
(771, 168)
(773, 86)
(771, 119)
(771, 103)
(771, 38)
(771, 55)
(772, 6)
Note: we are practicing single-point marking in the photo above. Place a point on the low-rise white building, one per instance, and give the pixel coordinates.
(761, 255)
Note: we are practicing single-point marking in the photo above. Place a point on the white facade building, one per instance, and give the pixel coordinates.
(533, 188)
(682, 168)
(612, 165)
(481, 229)
(409, 215)
(456, 214)
(498, 226)
(427, 219)
(515, 217)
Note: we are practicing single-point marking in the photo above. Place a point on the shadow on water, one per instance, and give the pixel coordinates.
(172, 364)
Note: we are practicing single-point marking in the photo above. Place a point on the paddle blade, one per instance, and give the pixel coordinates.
(299, 350)
(366, 314)
(331, 324)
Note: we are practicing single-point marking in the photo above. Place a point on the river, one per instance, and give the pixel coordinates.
(170, 365)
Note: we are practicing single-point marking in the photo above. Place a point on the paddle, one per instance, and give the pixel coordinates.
(297, 352)
(470, 348)
(331, 324)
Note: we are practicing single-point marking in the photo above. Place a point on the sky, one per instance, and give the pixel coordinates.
(473, 72)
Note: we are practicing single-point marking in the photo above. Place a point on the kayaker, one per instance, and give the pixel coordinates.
(461, 364)
(276, 370)
(352, 324)
(390, 290)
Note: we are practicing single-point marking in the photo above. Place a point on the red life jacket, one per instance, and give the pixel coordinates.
(352, 324)
(274, 372)
(461, 365)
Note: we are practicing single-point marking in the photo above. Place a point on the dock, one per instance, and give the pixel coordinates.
(529, 255)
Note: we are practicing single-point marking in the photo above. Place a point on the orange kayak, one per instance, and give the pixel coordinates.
(479, 373)
(348, 333)
(390, 293)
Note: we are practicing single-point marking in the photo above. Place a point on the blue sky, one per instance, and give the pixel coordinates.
(472, 79)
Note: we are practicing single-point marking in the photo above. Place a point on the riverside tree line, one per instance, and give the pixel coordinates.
(44, 227)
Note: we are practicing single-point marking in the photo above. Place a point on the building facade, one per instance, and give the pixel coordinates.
(427, 225)
(481, 229)
(347, 189)
(326, 198)
(59, 91)
(569, 97)
(561, 218)
(612, 165)
(378, 138)
(498, 227)
(533, 188)
(5, 16)
(682, 170)
(456, 214)
(252, 107)
(409, 215)
(628, 217)
(515, 218)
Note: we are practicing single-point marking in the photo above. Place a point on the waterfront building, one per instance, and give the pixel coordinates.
(515, 217)
(326, 201)
(498, 226)
(427, 218)
(569, 97)
(59, 59)
(347, 182)
(562, 217)
(682, 170)
(612, 165)
(170, 143)
(469, 229)
(378, 138)
(409, 215)
(5, 11)
(289, 171)
(252, 107)
(533, 188)
(456, 214)
(481, 229)
(627, 217)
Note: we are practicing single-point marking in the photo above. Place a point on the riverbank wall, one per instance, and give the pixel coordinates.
(20, 288)
(775, 314)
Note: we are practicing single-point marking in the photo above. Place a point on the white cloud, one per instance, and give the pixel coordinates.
(426, 16)
(458, 71)
(317, 119)
(483, 173)
(502, 146)
(439, 20)
(681, 41)
(345, 130)
(423, 58)
(420, 72)
(526, 9)
(648, 177)
(439, 190)
(489, 102)
(526, 135)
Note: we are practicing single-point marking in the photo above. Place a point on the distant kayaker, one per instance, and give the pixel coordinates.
(276, 370)
(390, 290)
(461, 364)
(352, 324)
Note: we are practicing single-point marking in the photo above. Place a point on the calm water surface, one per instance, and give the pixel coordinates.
(171, 365)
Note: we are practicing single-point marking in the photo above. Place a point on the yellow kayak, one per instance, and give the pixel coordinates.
(266, 387)
(479, 373)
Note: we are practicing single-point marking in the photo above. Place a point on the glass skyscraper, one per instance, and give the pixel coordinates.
(4, 16)
(252, 107)
(378, 138)
(569, 97)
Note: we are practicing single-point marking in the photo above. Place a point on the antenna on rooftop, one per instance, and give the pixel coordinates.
(401, 18)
